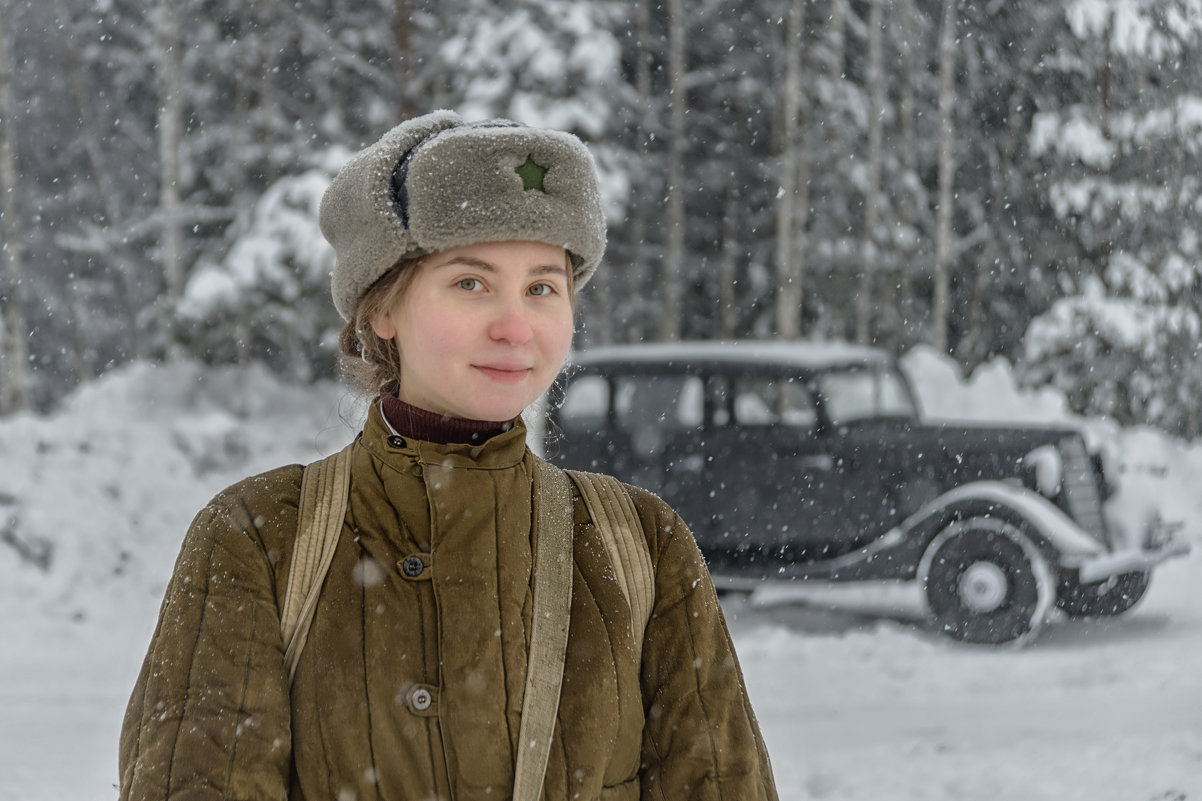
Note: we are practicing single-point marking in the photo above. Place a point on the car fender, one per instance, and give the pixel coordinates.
(1039, 517)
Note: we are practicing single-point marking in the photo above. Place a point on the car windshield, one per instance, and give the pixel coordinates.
(865, 394)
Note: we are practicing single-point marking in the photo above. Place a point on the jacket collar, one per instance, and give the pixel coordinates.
(409, 455)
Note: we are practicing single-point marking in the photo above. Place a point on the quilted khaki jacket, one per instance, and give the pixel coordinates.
(410, 686)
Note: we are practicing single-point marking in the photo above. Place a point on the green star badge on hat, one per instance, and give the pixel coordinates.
(532, 174)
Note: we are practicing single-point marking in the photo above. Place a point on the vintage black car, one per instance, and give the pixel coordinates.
(796, 460)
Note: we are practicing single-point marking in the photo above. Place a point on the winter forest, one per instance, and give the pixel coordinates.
(992, 178)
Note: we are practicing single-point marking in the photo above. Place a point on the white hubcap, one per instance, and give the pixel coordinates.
(983, 587)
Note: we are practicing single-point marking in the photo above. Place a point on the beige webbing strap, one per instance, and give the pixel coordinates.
(613, 513)
(324, 490)
(548, 630)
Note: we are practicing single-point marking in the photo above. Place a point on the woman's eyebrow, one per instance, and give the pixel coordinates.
(487, 266)
(468, 261)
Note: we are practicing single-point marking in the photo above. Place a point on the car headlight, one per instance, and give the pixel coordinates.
(1158, 534)
(1048, 468)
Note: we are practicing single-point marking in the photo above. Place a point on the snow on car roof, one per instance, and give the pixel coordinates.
(798, 354)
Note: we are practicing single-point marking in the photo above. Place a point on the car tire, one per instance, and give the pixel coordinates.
(1108, 597)
(985, 582)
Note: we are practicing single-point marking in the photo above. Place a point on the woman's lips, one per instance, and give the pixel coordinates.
(504, 374)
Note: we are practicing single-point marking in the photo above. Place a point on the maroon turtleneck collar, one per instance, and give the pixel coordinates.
(410, 421)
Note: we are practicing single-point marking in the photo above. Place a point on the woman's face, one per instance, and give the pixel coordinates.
(482, 330)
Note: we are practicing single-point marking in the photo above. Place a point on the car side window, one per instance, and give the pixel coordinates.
(651, 408)
(860, 394)
(772, 401)
(585, 405)
(674, 401)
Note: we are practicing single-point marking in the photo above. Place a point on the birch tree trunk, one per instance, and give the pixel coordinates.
(837, 36)
(835, 196)
(943, 235)
(673, 271)
(1107, 245)
(13, 352)
(801, 214)
(909, 156)
(170, 136)
(251, 77)
(788, 276)
(407, 87)
(727, 270)
(871, 251)
(639, 207)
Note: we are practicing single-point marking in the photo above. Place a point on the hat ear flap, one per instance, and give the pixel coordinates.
(400, 188)
(358, 216)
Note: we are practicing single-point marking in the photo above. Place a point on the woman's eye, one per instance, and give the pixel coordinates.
(541, 289)
(470, 284)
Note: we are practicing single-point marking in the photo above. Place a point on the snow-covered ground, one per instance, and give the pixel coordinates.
(856, 699)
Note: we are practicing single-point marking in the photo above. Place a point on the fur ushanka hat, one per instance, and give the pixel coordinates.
(436, 182)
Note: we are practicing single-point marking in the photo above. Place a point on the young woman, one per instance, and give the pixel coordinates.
(459, 249)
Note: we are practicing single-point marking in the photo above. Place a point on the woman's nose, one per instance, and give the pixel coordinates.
(512, 324)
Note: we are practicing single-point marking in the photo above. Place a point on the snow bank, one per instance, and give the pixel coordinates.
(95, 498)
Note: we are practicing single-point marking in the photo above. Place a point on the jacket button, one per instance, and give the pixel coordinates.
(421, 699)
(396, 442)
(413, 566)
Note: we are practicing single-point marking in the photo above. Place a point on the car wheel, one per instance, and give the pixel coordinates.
(984, 581)
(1110, 596)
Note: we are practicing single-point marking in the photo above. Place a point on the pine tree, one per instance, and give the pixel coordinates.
(12, 316)
(1122, 166)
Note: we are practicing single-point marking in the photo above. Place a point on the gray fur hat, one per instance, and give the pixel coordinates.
(436, 182)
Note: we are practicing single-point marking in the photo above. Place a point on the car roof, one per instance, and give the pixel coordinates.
(805, 355)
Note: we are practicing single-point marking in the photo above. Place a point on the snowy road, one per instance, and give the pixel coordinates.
(63, 691)
(854, 707)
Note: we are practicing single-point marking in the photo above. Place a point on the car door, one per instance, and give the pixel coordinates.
(767, 471)
(657, 414)
(632, 421)
(866, 413)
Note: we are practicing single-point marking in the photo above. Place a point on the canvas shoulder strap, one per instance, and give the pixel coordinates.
(324, 489)
(612, 511)
(548, 629)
